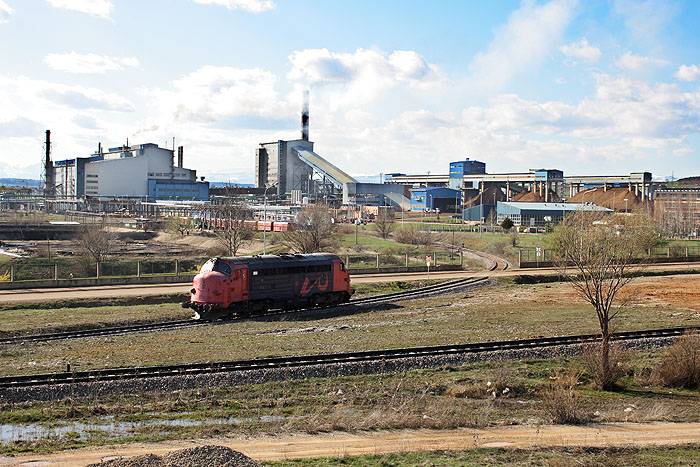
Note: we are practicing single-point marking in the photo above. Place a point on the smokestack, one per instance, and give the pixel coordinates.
(305, 117)
(99, 149)
(48, 167)
(180, 151)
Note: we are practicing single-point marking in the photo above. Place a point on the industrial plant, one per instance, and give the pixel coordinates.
(150, 180)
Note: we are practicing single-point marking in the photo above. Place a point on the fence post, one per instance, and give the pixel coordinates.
(520, 258)
(686, 252)
(461, 259)
(97, 270)
(406, 259)
(138, 268)
(347, 262)
(55, 272)
(434, 259)
(377, 260)
(12, 272)
(177, 268)
(668, 252)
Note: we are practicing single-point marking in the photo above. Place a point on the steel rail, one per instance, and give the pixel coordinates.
(442, 287)
(113, 374)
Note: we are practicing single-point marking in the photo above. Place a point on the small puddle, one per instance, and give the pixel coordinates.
(79, 430)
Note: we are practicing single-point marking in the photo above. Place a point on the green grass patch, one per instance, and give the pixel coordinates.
(650, 456)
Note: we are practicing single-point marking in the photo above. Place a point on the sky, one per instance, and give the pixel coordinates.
(588, 87)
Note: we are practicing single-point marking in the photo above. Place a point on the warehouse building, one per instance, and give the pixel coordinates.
(539, 214)
(430, 199)
(142, 171)
(677, 210)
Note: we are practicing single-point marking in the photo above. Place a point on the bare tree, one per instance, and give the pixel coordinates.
(595, 254)
(385, 222)
(233, 232)
(313, 232)
(96, 242)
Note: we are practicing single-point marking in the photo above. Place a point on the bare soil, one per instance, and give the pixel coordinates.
(379, 442)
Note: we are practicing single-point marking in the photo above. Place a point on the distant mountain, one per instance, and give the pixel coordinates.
(684, 182)
(21, 182)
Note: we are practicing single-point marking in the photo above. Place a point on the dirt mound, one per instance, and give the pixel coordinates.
(203, 456)
(612, 198)
(491, 194)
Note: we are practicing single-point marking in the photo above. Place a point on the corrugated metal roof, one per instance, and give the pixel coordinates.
(553, 206)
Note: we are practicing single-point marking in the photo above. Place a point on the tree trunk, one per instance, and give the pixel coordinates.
(605, 374)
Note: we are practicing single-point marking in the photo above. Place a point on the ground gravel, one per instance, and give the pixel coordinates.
(202, 456)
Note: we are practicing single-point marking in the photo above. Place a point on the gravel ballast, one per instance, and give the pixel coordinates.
(172, 383)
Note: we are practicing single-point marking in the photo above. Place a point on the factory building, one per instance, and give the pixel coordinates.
(539, 214)
(143, 171)
(677, 210)
(430, 199)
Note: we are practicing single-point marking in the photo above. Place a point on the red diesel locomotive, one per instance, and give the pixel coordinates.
(246, 285)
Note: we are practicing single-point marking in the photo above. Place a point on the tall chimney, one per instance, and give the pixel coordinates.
(99, 149)
(305, 117)
(49, 178)
(180, 151)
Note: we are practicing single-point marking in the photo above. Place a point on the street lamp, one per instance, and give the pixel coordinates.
(265, 216)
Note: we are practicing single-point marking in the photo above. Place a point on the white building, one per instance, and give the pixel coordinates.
(143, 171)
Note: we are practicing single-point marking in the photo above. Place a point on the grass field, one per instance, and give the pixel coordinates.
(505, 311)
(436, 398)
(74, 314)
(654, 456)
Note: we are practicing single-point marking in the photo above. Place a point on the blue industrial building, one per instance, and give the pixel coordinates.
(478, 213)
(540, 214)
(459, 169)
(444, 199)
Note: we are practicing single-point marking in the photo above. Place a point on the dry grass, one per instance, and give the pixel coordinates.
(619, 365)
(680, 367)
(562, 401)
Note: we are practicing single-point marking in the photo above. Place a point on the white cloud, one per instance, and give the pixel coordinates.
(688, 73)
(634, 62)
(528, 37)
(91, 63)
(5, 12)
(645, 19)
(355, 79)
(253, 6)
(581, 50)
(212, 93)
(100, 8)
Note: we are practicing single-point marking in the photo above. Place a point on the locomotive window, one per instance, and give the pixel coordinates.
(222, 267)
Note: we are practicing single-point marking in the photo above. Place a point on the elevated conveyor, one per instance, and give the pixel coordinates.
(320, 164)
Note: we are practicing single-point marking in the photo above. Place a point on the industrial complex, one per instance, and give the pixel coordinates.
(149, 179)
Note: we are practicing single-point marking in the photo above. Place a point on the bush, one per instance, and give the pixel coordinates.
(619, 364)
(680, 367)
(507, 224)
(561, 400)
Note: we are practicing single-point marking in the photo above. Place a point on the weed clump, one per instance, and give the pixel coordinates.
(680, 367)
(561, 400)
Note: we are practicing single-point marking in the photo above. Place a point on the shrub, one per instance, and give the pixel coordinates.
(507, 224)
(680, 367)
(561, 400)
(592, 363)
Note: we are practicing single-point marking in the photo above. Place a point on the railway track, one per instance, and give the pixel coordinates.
(115, 374)
(443, 287)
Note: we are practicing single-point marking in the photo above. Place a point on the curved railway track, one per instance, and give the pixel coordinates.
(443, 287)
(114, 374)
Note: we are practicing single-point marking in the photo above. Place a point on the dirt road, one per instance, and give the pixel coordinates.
(342, 444)
(107, 291)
